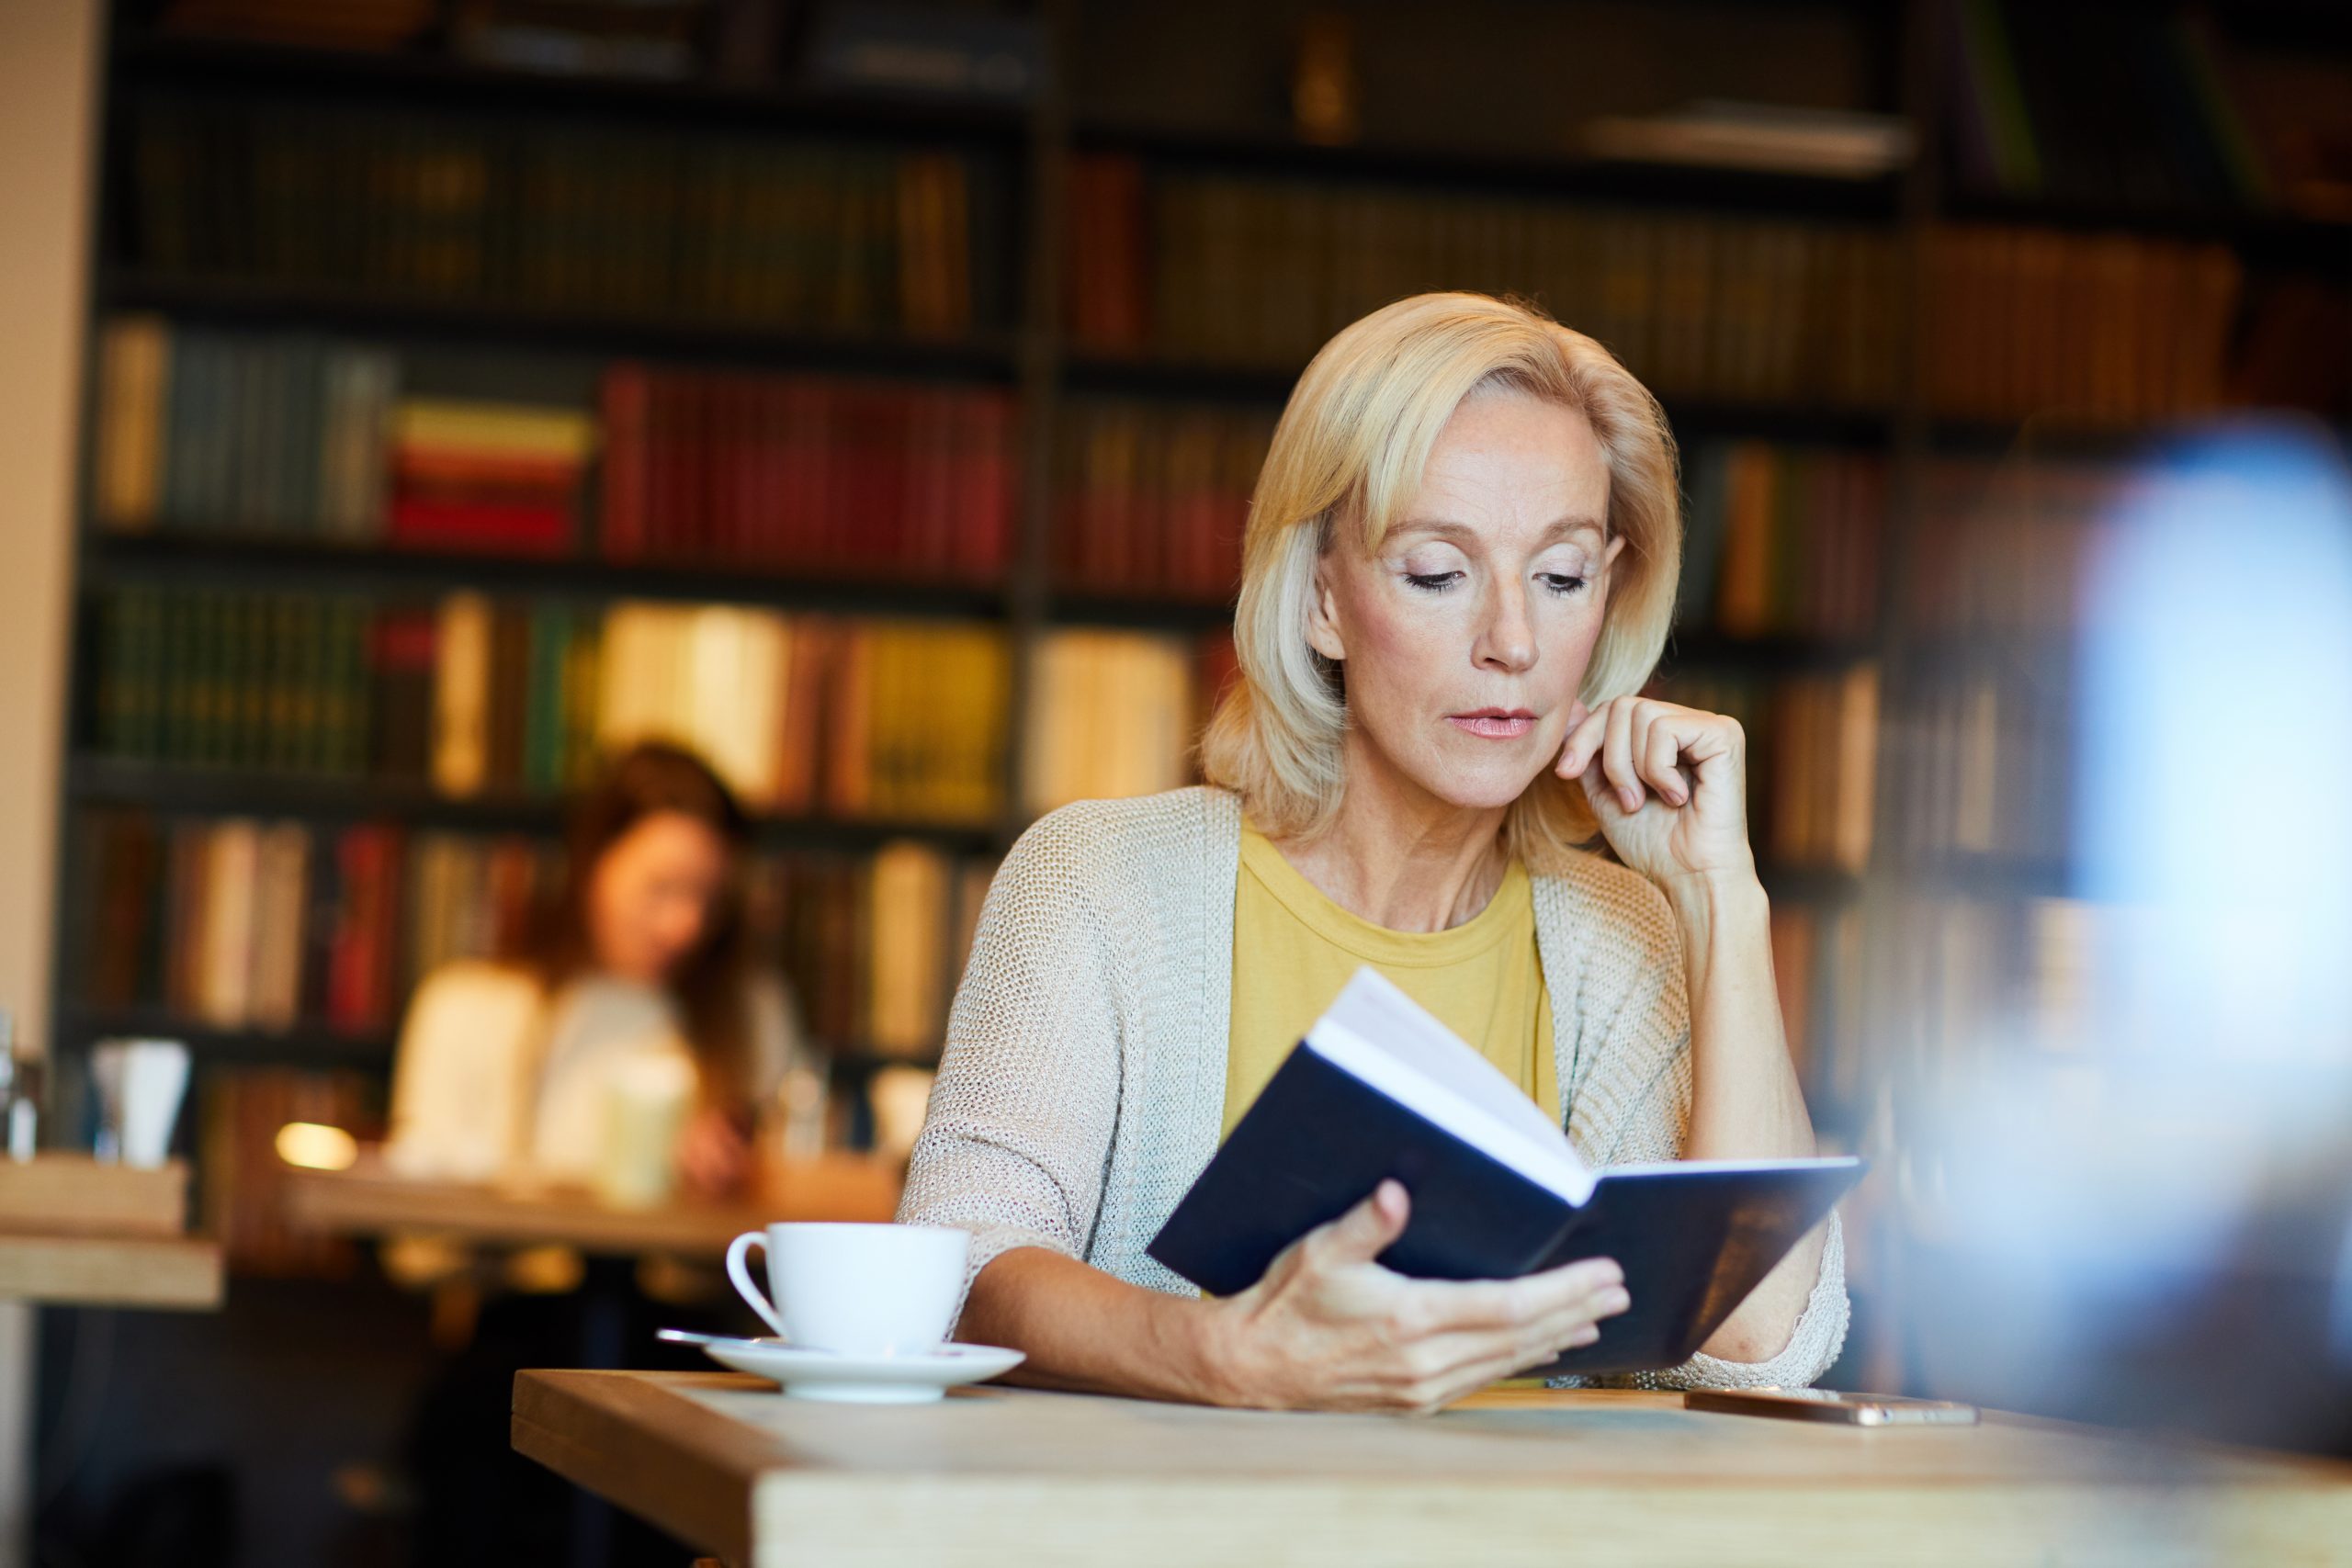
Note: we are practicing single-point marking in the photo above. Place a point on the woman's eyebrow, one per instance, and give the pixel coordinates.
(1559, 528)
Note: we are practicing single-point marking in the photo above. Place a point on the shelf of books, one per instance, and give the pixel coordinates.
(450, 424)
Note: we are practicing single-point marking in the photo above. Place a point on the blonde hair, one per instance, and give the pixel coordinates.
(1349, 450)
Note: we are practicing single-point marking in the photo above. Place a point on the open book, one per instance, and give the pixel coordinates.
(1380, 1088)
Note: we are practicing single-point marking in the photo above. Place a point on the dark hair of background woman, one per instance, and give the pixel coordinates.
(650, 778)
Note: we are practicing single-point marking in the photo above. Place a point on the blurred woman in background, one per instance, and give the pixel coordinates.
(637, 969)
(639, 959)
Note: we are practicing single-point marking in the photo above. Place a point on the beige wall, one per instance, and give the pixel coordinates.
(48, 81)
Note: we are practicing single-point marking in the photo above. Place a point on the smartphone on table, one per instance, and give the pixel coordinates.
(1829, 1404)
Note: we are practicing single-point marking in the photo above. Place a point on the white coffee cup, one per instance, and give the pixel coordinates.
(855, 1290)
(140, 1084)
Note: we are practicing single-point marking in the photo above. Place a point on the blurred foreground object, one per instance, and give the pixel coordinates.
(2131, 1186)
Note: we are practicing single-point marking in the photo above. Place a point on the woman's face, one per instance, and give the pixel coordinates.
(1466, 634)
(651, 893)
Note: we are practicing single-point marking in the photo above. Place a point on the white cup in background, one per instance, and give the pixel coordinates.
(140, 1083)
(646, 1101)
(855, 1290)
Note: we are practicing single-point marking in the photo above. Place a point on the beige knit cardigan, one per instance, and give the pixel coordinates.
(1082, 1086)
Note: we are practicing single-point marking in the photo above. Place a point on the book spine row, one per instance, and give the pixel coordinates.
(2130, 107)
(1150, 500)
(874, 945)
(1115, 714)
(2004, 550)
(2087, 329)
(1262, 271)
(277, 436)
(1784, 541)
(570, 219)
(1979, 766)
(472, 696)
(234, 923)
(801, 475)
(270, 682)
(1813, 759)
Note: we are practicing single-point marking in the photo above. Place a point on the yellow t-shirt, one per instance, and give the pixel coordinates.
(1293, 948)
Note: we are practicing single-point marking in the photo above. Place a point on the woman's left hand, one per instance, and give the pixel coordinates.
(1669, 785)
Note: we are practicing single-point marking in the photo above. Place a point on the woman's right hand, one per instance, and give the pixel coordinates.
(1329, 1328)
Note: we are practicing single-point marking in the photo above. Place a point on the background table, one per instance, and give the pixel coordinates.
(1002, 1475)
(76, 1232)
(369, 1198)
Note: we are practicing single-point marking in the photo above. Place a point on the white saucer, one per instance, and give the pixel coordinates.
(864, 1380)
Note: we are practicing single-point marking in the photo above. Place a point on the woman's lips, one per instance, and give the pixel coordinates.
(1493, 724)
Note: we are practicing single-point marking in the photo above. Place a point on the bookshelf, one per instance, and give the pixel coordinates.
(1792, 325)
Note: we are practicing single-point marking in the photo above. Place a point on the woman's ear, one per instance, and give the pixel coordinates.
(1608, 554)
(1323, 616)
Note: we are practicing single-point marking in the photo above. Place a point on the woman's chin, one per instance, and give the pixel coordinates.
(1483, 788)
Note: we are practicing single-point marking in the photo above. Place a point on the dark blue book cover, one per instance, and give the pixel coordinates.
(1490, 1200)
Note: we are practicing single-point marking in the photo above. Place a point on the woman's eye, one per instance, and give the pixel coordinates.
(1433, 581)
(1562, 584)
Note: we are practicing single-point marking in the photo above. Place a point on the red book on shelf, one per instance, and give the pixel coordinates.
(660, 458)
(624, 402)
(935, 435)
(506, 528)
(878, 522)
(1107, 287)
(994, 431)
(358, 960)
(689, 505)
(731, 524)
(800, 459)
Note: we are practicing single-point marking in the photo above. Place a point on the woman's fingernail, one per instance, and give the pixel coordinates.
(1632, 797)
(1614, 1300)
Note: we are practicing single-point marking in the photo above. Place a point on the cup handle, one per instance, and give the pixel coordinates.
(742, 1280)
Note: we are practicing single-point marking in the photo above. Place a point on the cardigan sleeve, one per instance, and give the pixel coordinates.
(1017, 1138)
(1636, 1108)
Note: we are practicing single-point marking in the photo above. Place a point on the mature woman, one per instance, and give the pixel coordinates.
(1459, 569)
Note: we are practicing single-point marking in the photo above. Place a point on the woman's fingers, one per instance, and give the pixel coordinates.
(1660, 749)
(1362, 1233)
(1617, 757)
(1586, 730)
(1641, 746)
(1506, 1303)
(1442, 1368)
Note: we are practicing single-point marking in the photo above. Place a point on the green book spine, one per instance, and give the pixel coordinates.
(355, 708)
(142, 697)
(550, 626)
(212, 677)
(242, 628)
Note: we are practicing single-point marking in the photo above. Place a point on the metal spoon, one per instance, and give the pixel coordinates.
(688, 1336)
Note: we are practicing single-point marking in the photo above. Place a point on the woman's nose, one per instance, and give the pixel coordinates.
(1507, 641)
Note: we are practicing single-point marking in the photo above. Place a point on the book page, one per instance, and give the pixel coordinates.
(1384, 1037)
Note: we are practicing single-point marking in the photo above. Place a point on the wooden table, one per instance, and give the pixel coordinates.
(1011, 1476)
(369, 1198)
(76, 1232)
